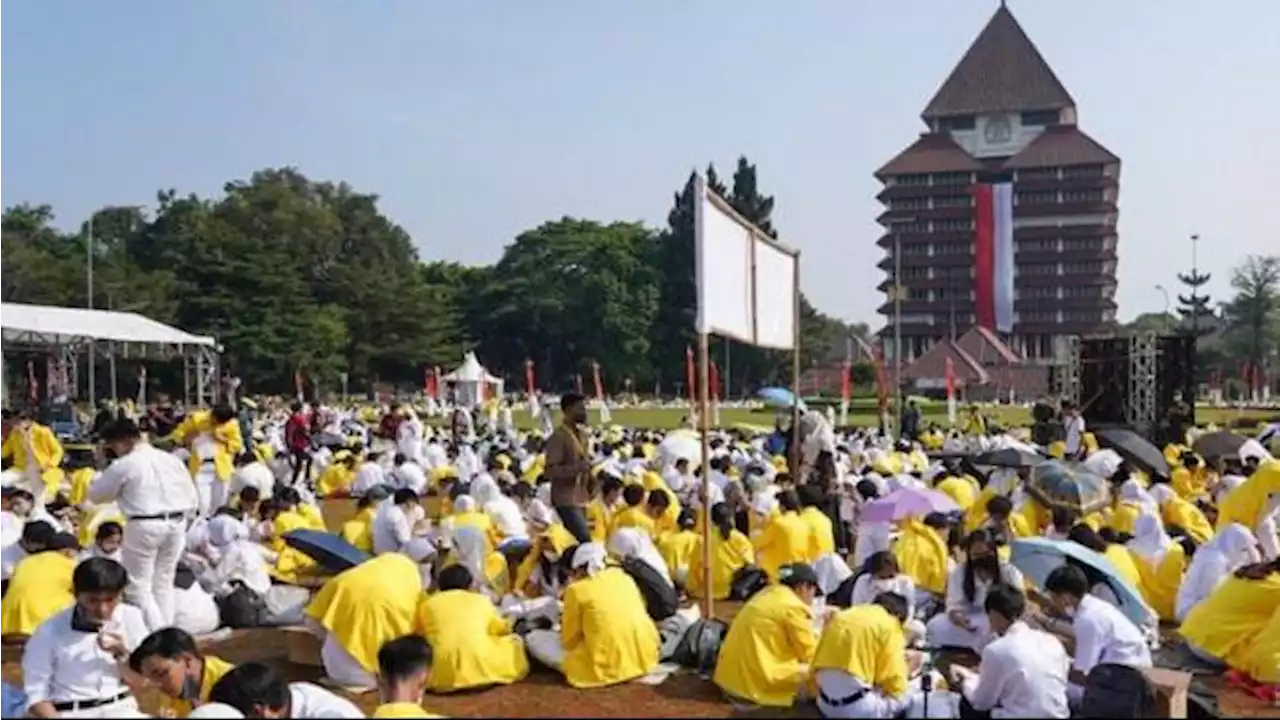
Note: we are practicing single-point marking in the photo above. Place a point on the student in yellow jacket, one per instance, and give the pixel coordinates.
(472, 644)
(170, 660)
(922, 555)
(213, 439)
(40, 587)
(34, 448)
(1161, 563)
(730, 552)
(785, 539)
(1253, 504)
(1177, 512)
(822, 539)
(677, 547)
(1228, 625)
(766, 653)
(864, 647)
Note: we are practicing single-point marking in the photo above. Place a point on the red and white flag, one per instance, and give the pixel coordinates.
(993, 266)
(951, 392)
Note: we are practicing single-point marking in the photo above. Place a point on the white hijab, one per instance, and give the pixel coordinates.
(630, 542)
(464, 503)
(590, 557)
(224, 530)
(1231, 548)
(1133, 491)
(1161, 494)
(469, 547)
(1150, 541)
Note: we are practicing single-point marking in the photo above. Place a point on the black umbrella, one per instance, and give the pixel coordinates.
(1221, 444)
(1010, 457)
(1135, 449)
(332, 552)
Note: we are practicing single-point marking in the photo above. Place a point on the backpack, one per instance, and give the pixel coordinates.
(242, 608)
(747, 581)
(699, 649)
(842, 596)
(660, 599)
(1118, 691)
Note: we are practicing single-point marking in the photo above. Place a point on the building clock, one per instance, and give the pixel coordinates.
(998, 130)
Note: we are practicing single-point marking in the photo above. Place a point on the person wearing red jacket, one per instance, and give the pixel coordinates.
(297, 435)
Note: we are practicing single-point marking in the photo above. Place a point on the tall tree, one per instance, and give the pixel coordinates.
(1194, 307)
(1253, 315)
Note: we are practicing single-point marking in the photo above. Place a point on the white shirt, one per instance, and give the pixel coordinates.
(146, 481)
(867, 587)
(507, 517)
(61, 665)
(12, 528)
(368, 477)
(241, 561)
(956, 599)
(256, 475)
(410, 475)
(312, 701)
(10, 557)
(392, 529)
(195, 611)
(1105, 635)
(1075, 433)
(1023, 674)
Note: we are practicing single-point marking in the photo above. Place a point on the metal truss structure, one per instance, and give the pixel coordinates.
(1068, 375)
(1140, 408)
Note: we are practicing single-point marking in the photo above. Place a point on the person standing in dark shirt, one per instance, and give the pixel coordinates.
(297, 435)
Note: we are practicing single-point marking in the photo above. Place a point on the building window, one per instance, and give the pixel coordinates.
(952, 293)
(1037, 316)
(1081, 316)
(952, 178)
(917, 294)
(1078, 172)
(914, 180)
(953, 224)
(1038, 245)
(909, 227)
(1087, 267)
(1081, 291)
(909, 203)
(1047, 197)
(1038, 174)
(915, 273)
(954, 273)
(1082, 245)
(1038, 292)
(1082, 196)
(952, 201)
(957, 122)
(1040, 269)
(916, 249)
(1040, 118)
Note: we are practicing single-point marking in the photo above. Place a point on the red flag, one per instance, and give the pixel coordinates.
(433, 389)
(595, 380)
(426, 381)
(846, 380)
(713, 379)
(529, 385)
(577, 383)
(951, 379)
(690, 374)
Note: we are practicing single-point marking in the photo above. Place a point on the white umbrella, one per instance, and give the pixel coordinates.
(680, 444)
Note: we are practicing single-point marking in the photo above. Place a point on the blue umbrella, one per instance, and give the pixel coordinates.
(330, 551)
(779, 398)
(1036, 557)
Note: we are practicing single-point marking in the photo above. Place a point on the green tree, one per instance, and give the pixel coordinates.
(1253, 315)
(1194, 307)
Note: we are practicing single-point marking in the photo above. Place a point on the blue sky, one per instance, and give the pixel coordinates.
(475, 119)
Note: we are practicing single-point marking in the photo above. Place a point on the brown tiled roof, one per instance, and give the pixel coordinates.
(933, 365)
(1061, 146)
(931, 153)
(987, 347)
(1001, 72)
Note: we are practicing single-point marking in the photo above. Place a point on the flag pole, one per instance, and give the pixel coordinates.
(795, 370)
(704, 420)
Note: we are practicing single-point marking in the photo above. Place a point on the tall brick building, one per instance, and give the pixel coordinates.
(1002, 112)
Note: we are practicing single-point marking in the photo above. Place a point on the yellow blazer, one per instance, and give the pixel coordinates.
(48, 454)
(226, 436)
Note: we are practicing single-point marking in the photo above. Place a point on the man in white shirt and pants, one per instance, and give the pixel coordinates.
(1074, 429)
(1023, 672)
(1102, 633)
(155, 493)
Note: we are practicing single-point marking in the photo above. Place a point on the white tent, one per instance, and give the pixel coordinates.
(472, 383)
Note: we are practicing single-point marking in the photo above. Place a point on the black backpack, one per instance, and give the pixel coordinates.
(1118, 691)
(699, 649)
(242, 608)
(747, 581)
(660, 599)
(842, 596)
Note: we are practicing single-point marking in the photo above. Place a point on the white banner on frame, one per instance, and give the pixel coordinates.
(746, 282)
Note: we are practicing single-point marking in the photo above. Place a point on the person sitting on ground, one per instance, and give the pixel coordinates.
(785, 537)
(169, 659)
(606, 636)
(730, 552)
(1232, 548)
(964, 623)
(106, 541)
(1102, 634)
(765, 656)
(880, 575)
(602, 510)
(540, 573)
(634, 515)
(678, 546)
(361, 608)
(921, 554)
(258, 691)
(1161, 563)
(1236, 622)
(41, 585)
(1023, 671)
(861, 662)
(359, 529)
(404, 668)
(473, 645)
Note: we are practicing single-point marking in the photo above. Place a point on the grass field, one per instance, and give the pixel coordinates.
(862, 415)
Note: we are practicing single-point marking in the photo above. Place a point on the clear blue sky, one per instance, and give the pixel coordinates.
(475, 119)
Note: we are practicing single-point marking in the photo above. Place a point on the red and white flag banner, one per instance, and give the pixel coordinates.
(530, 381)
(993, 265)
(846, 381)
(596, 380)
(690, 376)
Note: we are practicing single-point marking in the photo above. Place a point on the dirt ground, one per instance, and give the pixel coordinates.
(543, 693)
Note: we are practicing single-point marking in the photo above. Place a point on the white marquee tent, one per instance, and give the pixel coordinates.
(472, 383)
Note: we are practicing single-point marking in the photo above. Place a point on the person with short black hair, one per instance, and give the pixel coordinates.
(568, 465)
(1102, 633)
(107, 540)
(35, 537)
(1023, 671)
(766, 653)
(169, 659)
(404, 669)
(258, 691)
(40, 586)
(156, 496)
(76, 662)
(395, 527)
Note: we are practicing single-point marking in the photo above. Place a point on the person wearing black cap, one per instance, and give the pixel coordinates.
(155, 493)
(569, 467)
(766, 653)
